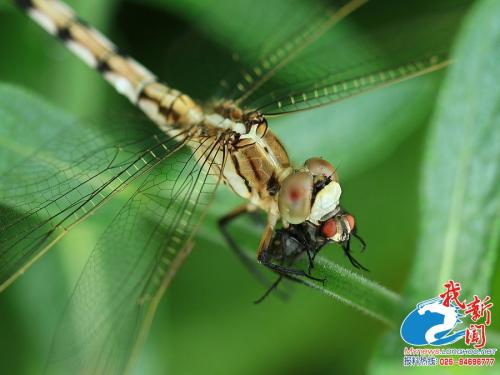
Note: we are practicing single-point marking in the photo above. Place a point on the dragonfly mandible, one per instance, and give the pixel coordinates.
(197, 146)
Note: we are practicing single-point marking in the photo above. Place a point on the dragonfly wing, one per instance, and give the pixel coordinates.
(134, 260)
(241, 35)
(339, 51)
(45, 195)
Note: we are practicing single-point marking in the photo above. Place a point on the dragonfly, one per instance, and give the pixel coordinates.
(194, 147)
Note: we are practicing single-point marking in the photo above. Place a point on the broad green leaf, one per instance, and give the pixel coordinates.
(459, 193)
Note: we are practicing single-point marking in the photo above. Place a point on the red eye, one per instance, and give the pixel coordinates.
(350, 221)
(329, 228)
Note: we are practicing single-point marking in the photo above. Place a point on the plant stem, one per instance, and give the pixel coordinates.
(357, 291)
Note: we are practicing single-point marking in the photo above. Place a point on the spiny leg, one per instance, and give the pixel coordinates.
(269, 290)
(354, 262)
(288, 271)
(303, 241)
(264, 258)
(278, 280)
(310, 259)
(240, 253)
(363, 243)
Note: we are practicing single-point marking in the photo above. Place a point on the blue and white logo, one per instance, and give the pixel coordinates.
(432, 323)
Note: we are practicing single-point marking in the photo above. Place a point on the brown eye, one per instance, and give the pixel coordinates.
(320, 167)
(294, 199)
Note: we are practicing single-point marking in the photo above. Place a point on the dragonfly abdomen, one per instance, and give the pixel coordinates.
(168, 107)
(123, 72)
(165, 106)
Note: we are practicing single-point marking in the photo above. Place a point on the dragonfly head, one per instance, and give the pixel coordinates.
(310, 193)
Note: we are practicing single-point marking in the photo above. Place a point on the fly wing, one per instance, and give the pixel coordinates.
(332, 52)
(45, 195)
(116, 296)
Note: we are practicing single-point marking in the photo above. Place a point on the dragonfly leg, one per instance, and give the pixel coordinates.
(269, 290)
(264, 259)
(257, 218)
(277, 281)
(248, 261)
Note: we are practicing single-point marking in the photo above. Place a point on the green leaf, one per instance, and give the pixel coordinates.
(459, 193)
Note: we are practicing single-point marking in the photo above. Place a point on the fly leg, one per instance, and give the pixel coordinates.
(303, 241)
(347, 251)
(310, 258)
(280, 277)
(285, 271)
(263, 257)
(240, 253)
(363, 243)
(278, 280)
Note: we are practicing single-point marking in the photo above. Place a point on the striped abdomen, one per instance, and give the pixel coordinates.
(164, 105)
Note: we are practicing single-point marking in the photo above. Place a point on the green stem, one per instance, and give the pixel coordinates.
(357, 291)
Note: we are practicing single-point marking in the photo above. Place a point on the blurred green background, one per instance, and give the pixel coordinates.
(207, 322)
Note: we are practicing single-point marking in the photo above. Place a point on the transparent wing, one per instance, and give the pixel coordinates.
(43, 196)
(350, 49)
(134, 260)
(290, 55)
(299, 54)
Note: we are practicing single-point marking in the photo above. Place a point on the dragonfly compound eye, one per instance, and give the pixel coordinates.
(321, 168)
(294, 198)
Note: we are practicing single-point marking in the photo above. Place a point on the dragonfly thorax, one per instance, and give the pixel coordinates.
(259, 170)
(256, 163)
